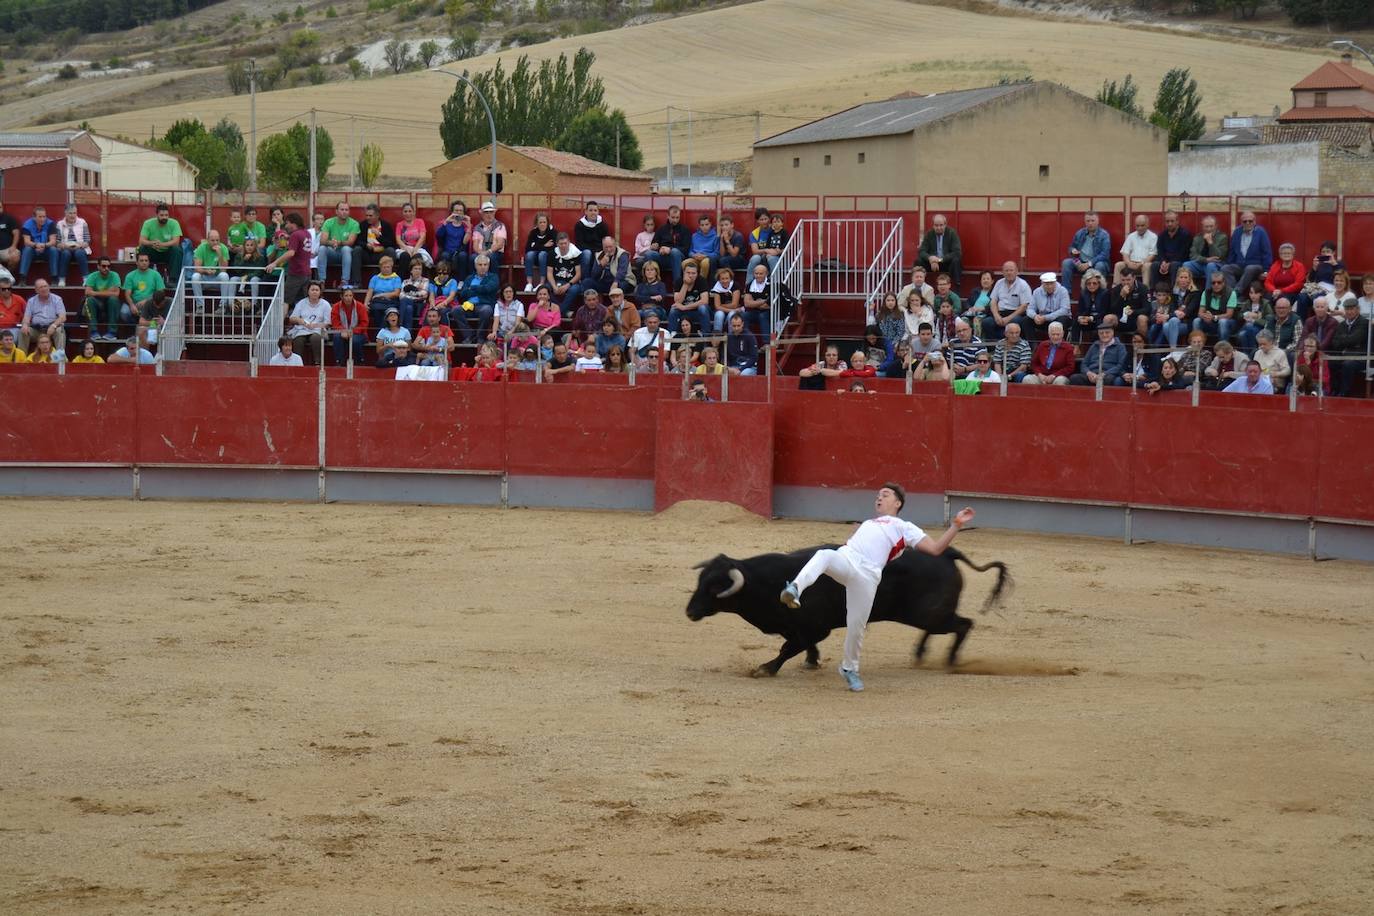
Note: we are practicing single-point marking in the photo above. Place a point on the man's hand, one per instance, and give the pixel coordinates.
(964, 517)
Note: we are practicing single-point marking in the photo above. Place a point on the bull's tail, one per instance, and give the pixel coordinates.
(1003, 577)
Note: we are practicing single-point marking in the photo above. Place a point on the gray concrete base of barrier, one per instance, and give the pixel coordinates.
(1318, 538)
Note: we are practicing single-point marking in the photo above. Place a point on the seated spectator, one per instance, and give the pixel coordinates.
(88, 355)
(1217, 309)
(1095, 303)
(941, 253)
(1052, 363)
(1210, 247)
(1366, 302)
(103, 290)
(626, 315)
(690, 301)
(417, 293)
(132, 352)
(160, 239)
(672, 241)
(587, 320)
(724, 297)
(710, 363)
(741, 350)
(944, 293)
(758, 313)
(152, 313)
(486, 366)
(1304, 383)
(981, 299)
(1284, 326)
(610, 267)
(211, 262)
(732, 253)
(1272, 360)
(39, 238)
(72, 240)
(242, 228)
(1227, 365)
(12, 304)
(543, 314)
(946, 314)
(1310, 358)
(875, 347)
(609, 336)
(507, 312)
(1195, 359)
(1090, 249)
(11, 241)
(965, 349)
(309, 321)
(830, 366)
(445, 289)
(1325, 264)
(251, 276)
(651, 294)
(285, 355)
(276, 223)
(477, 300)
(348, 328)
(412, 235)
(384, 292)
(1286, 276)
(924, 341)
(44, 352)
(858, 366)
(918, 287)
(560, 363)
(1187, 299)
(650, 362)
(1255, 311)
(1340, 290)
(1129, 300)
(982, 371)
(1142, 368)
(564, 275)
(767, 247)
(1170, 379)
(704, 246)
(521, 337)
(933, 367)
(915, 313)
(614, 360)
(1008, 302)
(338, 240)
(488, 237)
(588, 234)
(1173, 248)
(1012, 355)
(644, 243)
(44, 313)
(451, 237)
(378, 241)
(1249, 253)
(526, 360)
(9, 353)
(140, 285)
(1138, 252)
(393, 341)
(1169, 319)
(650, 335)
(899, 363)
(1322, 324)
(1253, 382)
(1106, 358)
(1049, 302)
(434, 343)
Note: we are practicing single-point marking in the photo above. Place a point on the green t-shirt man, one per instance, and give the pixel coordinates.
(337, 230)
(244, 230)
(212, 255)
(141, 284)
(154, 231)
(98, 284)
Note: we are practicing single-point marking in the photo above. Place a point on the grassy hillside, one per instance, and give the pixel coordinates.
(793, 60)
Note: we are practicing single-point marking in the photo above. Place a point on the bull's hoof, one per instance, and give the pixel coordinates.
(763, 671)
(811, 666)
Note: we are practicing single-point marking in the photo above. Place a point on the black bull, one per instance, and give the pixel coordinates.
(917, 589)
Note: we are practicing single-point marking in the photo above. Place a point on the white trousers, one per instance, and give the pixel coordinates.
(860, 583)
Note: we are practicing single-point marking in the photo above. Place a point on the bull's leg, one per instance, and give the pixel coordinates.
(961, 627)
(789, 649)
(921, 646)
(813, 658)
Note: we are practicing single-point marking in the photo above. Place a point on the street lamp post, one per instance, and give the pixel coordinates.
(1347, 44)
(491, 121)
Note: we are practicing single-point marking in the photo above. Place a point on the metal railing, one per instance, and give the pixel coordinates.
(171, 335)
(223, 307)
(885, 272)
(838, 258)
(264, 340)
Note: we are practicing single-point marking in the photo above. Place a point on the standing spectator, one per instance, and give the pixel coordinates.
(1052, 363)
(965, 349)
(671, 244)
(9, 353)
(690, 300)
(12, 304)
(140, 285)
(1138, 251)
(543, 315)
(1322, 325)
(1253, 382)
(1012, 356)
(1106, 358)
(412, 236)
(11, 237)
(565, 274)
(452, 238)
(348, 328)
(945, 315)
(338, 240)
(704, 246)
(286, 354)
(160, 240)
(732, 247)
(1248, 254)
(296, 258)
(1089, 249)
(625, 314)
(489, 238)
(724, 297)
(539, 247)
(651, 294)
(134, 352)
(1272, 360)
(1173, 248)
(435, 341)
(477, 298)
(1227, 365)
(1311, 359)
(73, 243)
(758, 310)
(1287, 275)
(940, 251)
(393, 341)
(588, 233)
(102, 299)
(1210, 247)
(506, 313)
(1049, 302)
(309, 321)
(378, 239)
(1008, 302)
(741, 349)
(1351, 338)
(45, 313)
(644, 242)
(252, 265)
(1217, 308)
(610, 267)
(40, 241)
(384, 292)
(211, 261)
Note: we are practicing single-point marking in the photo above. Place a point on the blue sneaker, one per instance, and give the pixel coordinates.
(852, 679)
(791, 595)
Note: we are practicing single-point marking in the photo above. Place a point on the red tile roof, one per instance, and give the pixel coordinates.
(1338, 113)
(573, 164)
(1333, 75)
(18, 160)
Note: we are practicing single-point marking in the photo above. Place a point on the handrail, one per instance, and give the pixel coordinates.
(171, 335)
(264, 342)
(884, 273)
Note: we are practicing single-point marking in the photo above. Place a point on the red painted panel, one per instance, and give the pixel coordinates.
(1358, 251)
(1305, 230)
(414, 425)
(687, 468)
(851, 441)
(228, 421)
(73, 418)
(1342, 489)
(126, 217)
(1030, 447)
(1223, 458)
(581, 430)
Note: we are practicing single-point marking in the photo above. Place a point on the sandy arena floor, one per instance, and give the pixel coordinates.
(334, 709)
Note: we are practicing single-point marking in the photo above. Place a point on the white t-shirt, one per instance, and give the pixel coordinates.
(588, 364)
(315, 248)
(278, 360)
(879, 540)
(318, 313)
(1139, 247)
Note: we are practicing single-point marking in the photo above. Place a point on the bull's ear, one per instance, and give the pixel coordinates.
(716, 559)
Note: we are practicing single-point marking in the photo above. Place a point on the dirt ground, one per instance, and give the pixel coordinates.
(364, 709)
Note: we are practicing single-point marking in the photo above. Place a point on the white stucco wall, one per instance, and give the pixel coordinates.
(130, 167)
(1279, 168)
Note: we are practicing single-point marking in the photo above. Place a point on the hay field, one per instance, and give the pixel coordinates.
(794, 59)
(398, 709)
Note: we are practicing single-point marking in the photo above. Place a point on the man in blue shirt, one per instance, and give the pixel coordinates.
(705, 246)
(1091, 249)
(1250, 253)
(131, 352)
(39, 240)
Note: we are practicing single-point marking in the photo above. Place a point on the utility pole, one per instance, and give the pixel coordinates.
(314, 179)
(670, 149)
(617, 144)
(689, 144)
(252, 124)
(353, 154)
(758, 126)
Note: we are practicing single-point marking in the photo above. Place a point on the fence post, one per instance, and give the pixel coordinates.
(320, 418)
(1197, 380)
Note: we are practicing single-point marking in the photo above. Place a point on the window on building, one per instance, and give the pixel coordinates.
(861, 158)
(95, 180)
(796, 162)
(1319, 99)
(827, 160)
(1044, 171)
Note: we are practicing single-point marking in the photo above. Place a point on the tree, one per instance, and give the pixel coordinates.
(428, 51)
(370, 164)
(181, 131)
(397, 54)
(236, 75)
(302, 48)
(603, 137)
(464, 44)
(355, 68)
(1340, 13)
(316, 73)
(1177, 108)
(284, 159)
(208, 154)
(1241, 9)
(1122, 97)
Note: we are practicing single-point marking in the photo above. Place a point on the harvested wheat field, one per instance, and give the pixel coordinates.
(821, 57)
(367, 709)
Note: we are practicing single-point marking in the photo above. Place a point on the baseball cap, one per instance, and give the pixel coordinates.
(393, 311)
(488, 207)
(6, 277)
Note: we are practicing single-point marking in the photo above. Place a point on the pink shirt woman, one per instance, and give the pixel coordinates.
(543, 314)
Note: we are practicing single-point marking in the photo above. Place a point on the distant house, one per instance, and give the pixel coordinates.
(536, 170)
(132, 166)
(48, 168)
(1023, 138)
(1334, 93)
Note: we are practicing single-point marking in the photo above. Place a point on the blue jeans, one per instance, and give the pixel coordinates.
(341, 349)
(673, 261)
(459, 264)
(759, 321)
(27, 256)
(1202, 273)
(474, 324)
(1069, 269)
(586, 259)
(536, 264)
(344, 256)
(770, 259)
(1172, 329)
(1247, 338)
(701, 317)
(648, 310)
(66, 256)
(1224, 327)
(572, 299)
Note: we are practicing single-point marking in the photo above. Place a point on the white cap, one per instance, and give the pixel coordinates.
(1048, 277)
(488, 207)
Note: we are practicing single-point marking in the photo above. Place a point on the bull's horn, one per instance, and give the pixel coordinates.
(736, 583)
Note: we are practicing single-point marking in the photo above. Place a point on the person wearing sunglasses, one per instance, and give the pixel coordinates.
(1250, 253)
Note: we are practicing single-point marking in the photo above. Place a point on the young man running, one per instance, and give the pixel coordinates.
(858, 566)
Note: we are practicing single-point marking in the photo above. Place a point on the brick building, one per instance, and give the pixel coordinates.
(536, 170)
(48, 168)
